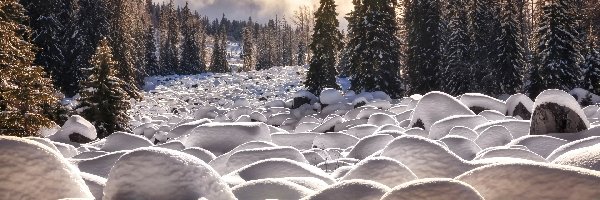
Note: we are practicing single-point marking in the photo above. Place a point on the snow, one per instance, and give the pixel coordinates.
(560, 98)
(243, 158)
(496, 152)
(220, 138)
(590, 141)
(200, 153)
(185, 128)
(517, 128)
(533, 181)
(31, 170)
(587, 157)
(363, 130)
(367, 146)
(461, 146)
(492, 115)
(383, 170)
(494, 136)
(300, 141)
(354, 189)
(464, 132)
(331, 96)
(99, 166)
(514, 100)
(442, 127)
(270, 189)
(277, 168)
(75, 124)
(483, 101)
(124, 141)
(334, 140)
(380, 119)
(95, 183)
(542, 145)
(433, 189)
(435, 106)
(158, 173)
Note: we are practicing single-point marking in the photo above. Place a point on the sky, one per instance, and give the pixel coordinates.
(261, 10)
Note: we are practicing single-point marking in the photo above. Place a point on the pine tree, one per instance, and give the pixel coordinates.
(190, 51)
(458, 56)
(219, 62)
(152, 65)
(169, 57)
(249, 52)
(24, 88)
(591, 69)
(93, 24)
(326, 40)
(103, 101)
(484, 23)
(558, 49)
(356, 33)
(423, 19)
(507, 73)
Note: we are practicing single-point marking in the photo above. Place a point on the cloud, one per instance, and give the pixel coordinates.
(259, 10)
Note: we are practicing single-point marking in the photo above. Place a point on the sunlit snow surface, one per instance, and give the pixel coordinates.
(258, 135)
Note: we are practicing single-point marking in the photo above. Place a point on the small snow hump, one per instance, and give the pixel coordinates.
(433, 189)
(435, 106)
(556, 111)
(75, 130)
(31, 170)
(158, 173)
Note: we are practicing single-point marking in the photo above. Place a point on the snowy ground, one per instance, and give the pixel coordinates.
(257, 135)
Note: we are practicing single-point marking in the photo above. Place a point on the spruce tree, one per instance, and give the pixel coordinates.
(326, 40)
(190, 51)
(93, 24)
(591, 69)
(24, 88)
(558, 49)
(249, 52)
(457, 74)
(507, 73)
(219, 62)
(103, 101)
(169, 57)
(152, 65)
(423, 20)
(356, 33)
(484, 23)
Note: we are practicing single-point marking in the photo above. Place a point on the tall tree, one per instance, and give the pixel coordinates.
(326, 41)
(93, 24)
(249, 52)
(591, 68)
(219, 62)
(24, 88)
(169, 54)
(423, 20)
(484, 23)
(191, 63)
(507, 73)
(152, 65)
(123, 44)
(558, 49)
(103, 101)
(458, 52)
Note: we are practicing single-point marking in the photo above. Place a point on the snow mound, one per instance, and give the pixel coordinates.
(591, 141)
(201, 153)
(435, 106)
(363, 130)
(461, 146)
(95, 183)
(158, 173)
(510, 152)
(369, 145)
(334, 140)
(383, 170)
(517, 128)
(354, 189)
(67, 150)
(519, 105)
(492, 115)
(587, 157)
(184, 129)
(301, 141)
(277, 168)
(542, 145)
(270, 189)
(31, 170)
(533, 181)
(556, 111)
(75, 130)
(124, 141)
(220, 162)
(245, 157)
(480, 102)
(328, 125)
(442, 127)
(494, 136)
(463, 132)
(433, 189)
(380, 119)
(426, 158)
(220, 138)
(99, 166)
(331, 96)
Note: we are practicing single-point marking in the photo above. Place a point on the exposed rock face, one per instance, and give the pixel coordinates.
(554, 118)
(78, 138)
(521, 111)
(299, 101)
(477, 109)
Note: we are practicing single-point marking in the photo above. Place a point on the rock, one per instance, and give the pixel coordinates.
(556, 111)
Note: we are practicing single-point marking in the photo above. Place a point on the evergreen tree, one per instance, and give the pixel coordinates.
(423, 20)
(591, 69)
(356, 33)
(93, 24)
(169, 57)
(103, 101)
(326, 40)
(190, 51)
(152, 66)
(24, 89)
(507, 73)
(557, 50)
(458, 56)
(249, 52)
(123, 46)
(219, 57)
(484, 23)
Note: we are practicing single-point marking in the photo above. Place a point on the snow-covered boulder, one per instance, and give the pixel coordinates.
(201, 153)
(158, 173)
(435, 106)
(185, 128)
(577, 144)
(220, 138)
(124, 141)
(380, 119)
(75, 130)
(463, 132)
(433, 189)
(509, 152)
(533, 181)
(367, 146)
(31, 170)
(493, 136)
(334, 140)
(442, 127)
(363, 130)
(517, 128)
(245, 157)
(556, 111)
(331, 96)
(276, 168)
(297, 140)
(383, 170)
(480, 102)
(461, 146)
(99, 166)
(354, 189)
(270, 189)
(95, 183)
(542, 145)
(587, 157)
(519, 105)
